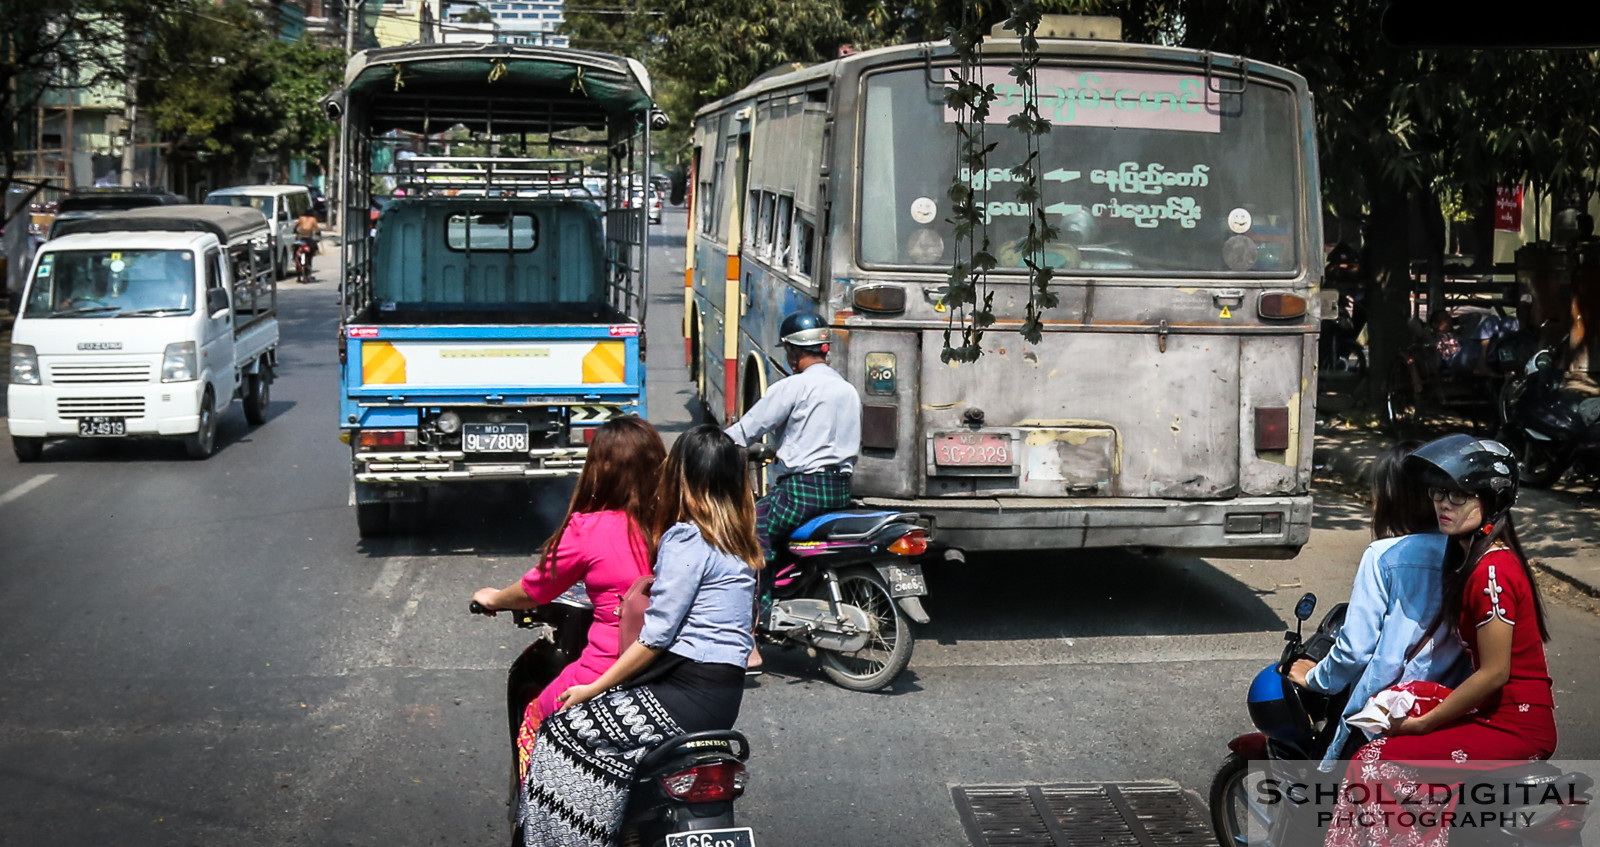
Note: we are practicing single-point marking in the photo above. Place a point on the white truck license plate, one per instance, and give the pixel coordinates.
(741, 837)
(494, 438)
(102, 427)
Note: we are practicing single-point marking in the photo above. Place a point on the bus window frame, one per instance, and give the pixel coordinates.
(1301, 269)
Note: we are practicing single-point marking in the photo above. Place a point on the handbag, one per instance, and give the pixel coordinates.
(630, 611)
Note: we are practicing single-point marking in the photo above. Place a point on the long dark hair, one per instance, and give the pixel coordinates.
(1400, 504)
(623, 463)
(706, 482)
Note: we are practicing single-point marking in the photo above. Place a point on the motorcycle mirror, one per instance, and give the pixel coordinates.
(1304, 608)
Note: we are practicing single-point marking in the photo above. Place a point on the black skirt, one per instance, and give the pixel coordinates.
(700, 695)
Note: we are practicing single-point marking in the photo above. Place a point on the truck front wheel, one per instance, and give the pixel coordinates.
(27, 449)
(203, 442)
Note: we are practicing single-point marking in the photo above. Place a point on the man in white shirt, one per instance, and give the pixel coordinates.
(817, 416)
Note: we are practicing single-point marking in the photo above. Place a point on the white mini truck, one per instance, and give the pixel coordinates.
(145, 323)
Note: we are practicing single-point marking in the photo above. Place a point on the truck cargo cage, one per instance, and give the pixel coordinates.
(518, 177)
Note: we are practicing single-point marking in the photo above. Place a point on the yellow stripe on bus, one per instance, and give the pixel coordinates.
(381, 364)
(605, 362)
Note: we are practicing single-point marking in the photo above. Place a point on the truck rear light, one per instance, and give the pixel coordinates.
(1279, 305)
(1272, 428)
(386, 439)
(582, 436)
(913, 543)
(1257, 523)
(709, 783)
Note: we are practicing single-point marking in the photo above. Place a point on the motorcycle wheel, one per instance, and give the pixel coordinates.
(1537, 465)
(888, 649)
(1402, 405)
(1233, 815)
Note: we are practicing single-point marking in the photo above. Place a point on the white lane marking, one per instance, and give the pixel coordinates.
(388, 578)
(25, 487)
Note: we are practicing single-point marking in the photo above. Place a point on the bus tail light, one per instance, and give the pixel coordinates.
(1272, 429)
(1279, 305)
(880, 299)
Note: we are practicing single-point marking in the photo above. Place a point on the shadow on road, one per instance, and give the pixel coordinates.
(484, 519)
(231, 429)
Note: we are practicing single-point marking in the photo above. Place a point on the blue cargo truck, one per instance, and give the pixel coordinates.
(493, 313)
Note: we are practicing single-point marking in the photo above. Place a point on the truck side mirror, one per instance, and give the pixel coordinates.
(216, 301)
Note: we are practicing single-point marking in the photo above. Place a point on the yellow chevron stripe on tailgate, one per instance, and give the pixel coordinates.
(381, 364)
(605, 362)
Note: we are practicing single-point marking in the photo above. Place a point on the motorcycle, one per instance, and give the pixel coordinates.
(848, 588)
(1295, 725)
(1543, 427)
(683, 790)
(304, 249)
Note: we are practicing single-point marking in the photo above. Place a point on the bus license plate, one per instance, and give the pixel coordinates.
(973, 449)
(741, 837)
(494, 438)
(102, 427)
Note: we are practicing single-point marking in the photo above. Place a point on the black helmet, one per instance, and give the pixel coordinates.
(803, 329)
(1478, 465)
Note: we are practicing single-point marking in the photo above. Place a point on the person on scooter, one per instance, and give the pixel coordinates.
(817, 416)
(604, 542)
(307, 232)
(1504, 711)
(1395, 596)
(685, 673)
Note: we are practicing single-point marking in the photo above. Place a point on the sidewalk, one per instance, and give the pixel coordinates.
(1558, 527)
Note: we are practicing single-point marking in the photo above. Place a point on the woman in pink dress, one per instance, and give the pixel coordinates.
(601, 543)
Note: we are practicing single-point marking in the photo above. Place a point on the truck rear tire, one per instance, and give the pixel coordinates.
(203, 442)
(27, 449)
(372, 519)
(257, 395)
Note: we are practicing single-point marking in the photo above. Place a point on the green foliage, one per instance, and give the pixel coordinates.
(223, 86)
(477, 15)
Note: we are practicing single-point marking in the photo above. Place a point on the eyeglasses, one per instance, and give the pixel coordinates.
(1455, 496)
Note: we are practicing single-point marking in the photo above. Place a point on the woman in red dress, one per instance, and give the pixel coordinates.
(1504, 710)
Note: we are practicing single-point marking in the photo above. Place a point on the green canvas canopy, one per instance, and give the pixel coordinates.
(491, 88)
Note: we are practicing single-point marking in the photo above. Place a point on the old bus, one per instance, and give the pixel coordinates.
(1169, 404)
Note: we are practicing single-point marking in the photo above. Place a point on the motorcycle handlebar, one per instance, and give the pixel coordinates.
(477, 608)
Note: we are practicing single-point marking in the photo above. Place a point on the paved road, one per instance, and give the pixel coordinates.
(204, 653)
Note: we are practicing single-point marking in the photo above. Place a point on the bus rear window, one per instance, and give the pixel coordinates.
(1144, 172)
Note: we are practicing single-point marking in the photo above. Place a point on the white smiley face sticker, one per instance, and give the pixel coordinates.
(118, 266)
(923, 210)
(1239, 220)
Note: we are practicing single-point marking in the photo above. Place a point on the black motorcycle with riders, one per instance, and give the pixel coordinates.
(847, 587)
(1295, 725)
(1550, 428)
(683, 791)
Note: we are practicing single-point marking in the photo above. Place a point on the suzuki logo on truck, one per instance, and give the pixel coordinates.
(99, 345)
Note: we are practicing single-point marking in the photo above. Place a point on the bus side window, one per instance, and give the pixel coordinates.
(782, 231)
(804, 246)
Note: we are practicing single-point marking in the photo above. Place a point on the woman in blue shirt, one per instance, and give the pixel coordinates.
(1392, 603)
(685, 673)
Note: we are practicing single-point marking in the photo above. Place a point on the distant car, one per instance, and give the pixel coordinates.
(88, 202)
(654, 207)
(282, 204)
(319, 203)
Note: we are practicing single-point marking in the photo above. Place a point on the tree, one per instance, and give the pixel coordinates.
(477, 15)
(53, 46)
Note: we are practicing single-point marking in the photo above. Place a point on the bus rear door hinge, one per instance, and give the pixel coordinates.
(1162, 331)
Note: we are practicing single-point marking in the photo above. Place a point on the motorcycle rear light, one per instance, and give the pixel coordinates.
(913, 543)
(709, 783)
(1551, 823)
(378, 439)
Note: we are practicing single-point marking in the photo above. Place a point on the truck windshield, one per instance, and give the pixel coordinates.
(1144, 172)
(111, 283)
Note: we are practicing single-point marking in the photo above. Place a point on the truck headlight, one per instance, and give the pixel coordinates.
(178, 363)
(24, 365)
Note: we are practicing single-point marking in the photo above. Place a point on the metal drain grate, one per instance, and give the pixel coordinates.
(1129, 814)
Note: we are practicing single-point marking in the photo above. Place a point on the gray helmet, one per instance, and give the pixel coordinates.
(1480, 466)
(804, 329)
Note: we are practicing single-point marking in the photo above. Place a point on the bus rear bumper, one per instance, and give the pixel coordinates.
(1242, 528)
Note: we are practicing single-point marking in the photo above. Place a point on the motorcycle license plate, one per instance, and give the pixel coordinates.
(906, 581)
(102, 427)
(741, 837)
(973, 449)
(494, 438)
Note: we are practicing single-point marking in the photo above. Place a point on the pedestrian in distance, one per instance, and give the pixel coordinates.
(1396, 594)
(605, 542)
(1504, 711)
(685, 673)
